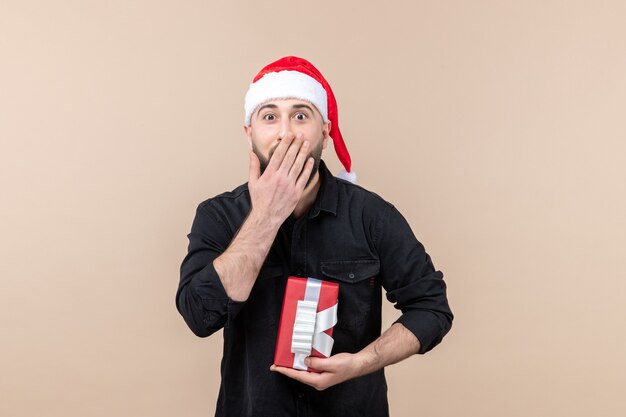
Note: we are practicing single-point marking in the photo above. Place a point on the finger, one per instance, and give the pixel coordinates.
(298, 164)
(285, 370)
(305, 174)
(320, 364)
(305, 377)
(291, 373)
(292, 153)
(255, 168)
(279, 152)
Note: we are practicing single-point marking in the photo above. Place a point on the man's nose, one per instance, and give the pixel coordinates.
(286, 130)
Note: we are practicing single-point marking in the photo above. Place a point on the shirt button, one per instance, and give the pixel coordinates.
(301, 395)
(300, 273)
(351, 275)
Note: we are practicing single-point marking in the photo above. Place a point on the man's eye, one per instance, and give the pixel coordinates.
(269, 117)
(301, 116)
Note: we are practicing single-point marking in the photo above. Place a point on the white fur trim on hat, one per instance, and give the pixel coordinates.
(348, 176)
(286, 84)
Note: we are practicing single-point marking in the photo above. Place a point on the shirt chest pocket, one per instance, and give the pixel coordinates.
(358, 289)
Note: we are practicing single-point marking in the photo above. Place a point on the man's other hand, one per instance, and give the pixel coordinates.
(334, 370)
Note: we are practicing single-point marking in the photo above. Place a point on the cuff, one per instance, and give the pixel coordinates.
(427, 326)
(230, 307)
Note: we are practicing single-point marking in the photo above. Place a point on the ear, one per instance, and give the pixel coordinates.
(248, 132)
(326, 132)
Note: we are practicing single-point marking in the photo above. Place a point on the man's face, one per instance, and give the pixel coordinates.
(277, 119)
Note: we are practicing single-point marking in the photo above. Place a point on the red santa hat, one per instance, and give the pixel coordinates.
(293, 77)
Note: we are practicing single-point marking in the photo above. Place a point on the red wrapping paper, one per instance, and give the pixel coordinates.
(295, 291)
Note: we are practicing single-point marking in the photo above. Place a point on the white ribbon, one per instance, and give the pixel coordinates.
(309, 327)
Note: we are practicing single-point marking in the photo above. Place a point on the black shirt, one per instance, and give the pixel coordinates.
(350, 236)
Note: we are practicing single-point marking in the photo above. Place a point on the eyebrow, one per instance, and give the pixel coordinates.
(271, 106)
(302, 106)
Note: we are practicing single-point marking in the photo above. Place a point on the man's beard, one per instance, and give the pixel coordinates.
(316, 154)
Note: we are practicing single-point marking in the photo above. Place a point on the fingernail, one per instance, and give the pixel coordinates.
(307, 361)
(306, 144)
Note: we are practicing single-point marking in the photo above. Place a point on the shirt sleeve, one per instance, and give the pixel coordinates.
(201, 298)
(411, 281)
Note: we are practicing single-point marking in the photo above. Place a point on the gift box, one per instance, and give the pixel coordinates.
(306, 322)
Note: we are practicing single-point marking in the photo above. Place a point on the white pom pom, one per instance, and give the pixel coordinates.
(348, 176)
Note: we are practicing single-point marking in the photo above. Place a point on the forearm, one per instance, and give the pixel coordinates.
(395, 344)
(239, 265)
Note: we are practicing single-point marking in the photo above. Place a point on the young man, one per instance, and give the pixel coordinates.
(294, 218)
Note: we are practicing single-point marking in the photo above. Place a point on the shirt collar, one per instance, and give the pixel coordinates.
(328, 194)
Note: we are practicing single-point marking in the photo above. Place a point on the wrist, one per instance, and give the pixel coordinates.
(366, 361)
(263, 222)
